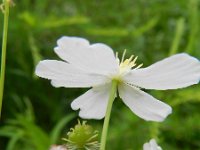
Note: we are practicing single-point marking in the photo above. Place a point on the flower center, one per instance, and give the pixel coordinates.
(126, 65)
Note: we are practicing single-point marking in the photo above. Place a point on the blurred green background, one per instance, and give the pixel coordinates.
(36, 115)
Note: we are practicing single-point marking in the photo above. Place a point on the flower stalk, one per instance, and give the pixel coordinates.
(5, 5)
(107, 116)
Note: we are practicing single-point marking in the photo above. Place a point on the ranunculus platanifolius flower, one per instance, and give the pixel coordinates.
(96, 66)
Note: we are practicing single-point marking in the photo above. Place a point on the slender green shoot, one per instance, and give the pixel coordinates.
(178, 34)
(5, 6)
(193, 25)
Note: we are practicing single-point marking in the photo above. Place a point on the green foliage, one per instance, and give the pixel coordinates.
(150, 29)
(24, 133)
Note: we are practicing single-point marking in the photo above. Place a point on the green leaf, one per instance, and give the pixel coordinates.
(54, 135)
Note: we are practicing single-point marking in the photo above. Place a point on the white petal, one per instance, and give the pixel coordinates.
(152, 145)
(93, 103)
(174, 72)
(58, 147)
(96, 58)
(63, 74)
(147, 146)
(144, 105)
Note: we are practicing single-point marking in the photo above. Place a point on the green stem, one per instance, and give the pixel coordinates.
(3, 55)
(155, 130)
(107, 117)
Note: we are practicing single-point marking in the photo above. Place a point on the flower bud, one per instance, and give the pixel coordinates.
(81, 137)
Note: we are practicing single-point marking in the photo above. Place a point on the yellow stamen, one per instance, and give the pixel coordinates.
(132, 64)
(135, 59)
(116, 55)
(123, 55)
(139, 66)
(128, 64)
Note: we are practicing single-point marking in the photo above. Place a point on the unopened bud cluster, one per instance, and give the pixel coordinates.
(82, 137)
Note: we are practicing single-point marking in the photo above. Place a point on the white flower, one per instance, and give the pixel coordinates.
(152, 145)
(58, 147)
(95, 66)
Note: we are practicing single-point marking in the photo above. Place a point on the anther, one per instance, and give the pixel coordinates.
(139, 66)
(116, 55)
(124, 53)
(131, 58)
(135, 59)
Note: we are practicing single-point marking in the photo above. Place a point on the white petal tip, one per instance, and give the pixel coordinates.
(68, 39)
(54, 84)
(166, 113)
(151, 145)
(88, 116)
(56, 49)
(40, 69)
(74, 106)
(162, 116)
